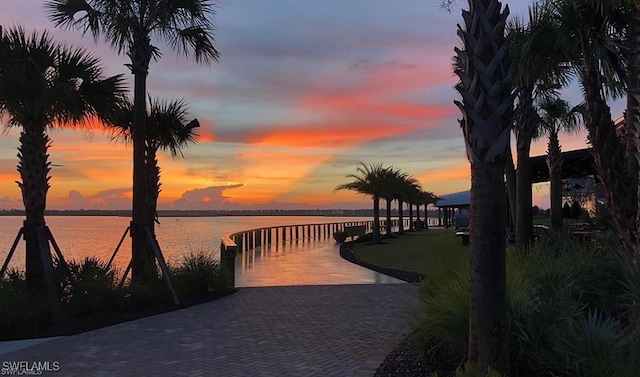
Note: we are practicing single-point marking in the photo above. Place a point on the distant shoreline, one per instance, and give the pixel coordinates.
(179, 213)
(184, 213)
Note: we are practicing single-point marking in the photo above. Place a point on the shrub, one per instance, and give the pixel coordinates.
(23, 313)
(199, 273)
(573, 310)
(340, 236)
(93, 290)
(444, 318)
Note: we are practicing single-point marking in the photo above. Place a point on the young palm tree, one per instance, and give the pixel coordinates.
(169, 131)
(556, 116)
(43, 85)
(369, 180)
(129, 26)
(486, 72)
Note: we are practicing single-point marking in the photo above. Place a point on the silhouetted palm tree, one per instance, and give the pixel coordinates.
(369, 180)
(590, 35)
(406, 185)
(43, 85)
(556, 116)
(129, 26)
(393, 183)
(539, 70)
(486, 71)
(169, 130)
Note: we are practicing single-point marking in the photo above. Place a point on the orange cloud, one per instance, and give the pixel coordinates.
(326, 136)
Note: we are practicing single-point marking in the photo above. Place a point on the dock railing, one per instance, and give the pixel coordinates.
(234, 243)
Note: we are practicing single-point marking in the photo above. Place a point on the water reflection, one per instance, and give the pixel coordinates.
(302, 262)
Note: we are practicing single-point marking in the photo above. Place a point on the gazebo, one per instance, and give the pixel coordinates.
(447, 205)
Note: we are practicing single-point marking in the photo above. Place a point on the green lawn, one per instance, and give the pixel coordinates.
(429, 252)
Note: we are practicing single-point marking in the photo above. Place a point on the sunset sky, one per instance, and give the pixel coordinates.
(303, 92)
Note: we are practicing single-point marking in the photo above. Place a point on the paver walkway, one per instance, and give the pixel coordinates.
(324, 330)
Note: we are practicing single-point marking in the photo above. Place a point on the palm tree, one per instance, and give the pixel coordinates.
(406, 186)
(44, 85)
(591, 38)
(369, 180)
(632, 115)
(129, 26)
(413, 198)
(392, 185)
(538, 72)
(169, 131)
(556, 116)
(486, 73)
(428, 198)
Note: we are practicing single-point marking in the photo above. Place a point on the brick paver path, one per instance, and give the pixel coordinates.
(338, 330)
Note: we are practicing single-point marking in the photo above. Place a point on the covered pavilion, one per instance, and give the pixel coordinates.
(575, 164)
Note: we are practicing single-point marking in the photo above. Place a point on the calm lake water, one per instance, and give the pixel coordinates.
(98, 236)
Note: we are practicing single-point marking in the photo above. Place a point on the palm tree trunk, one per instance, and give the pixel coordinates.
(426, 216)
(488, 325)
(486, 83)
(410, 216)
(388, 224)
(376, 220)
(612, 165)
(554, 164)
(140, 56)
(417, 227)
(510, 175)
(34, 167)
(153, 186)
(400, 217)
(632, 115)
(524, 201)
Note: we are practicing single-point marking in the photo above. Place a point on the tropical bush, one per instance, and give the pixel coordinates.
(573, 310)
(23, 312)
(199, 273)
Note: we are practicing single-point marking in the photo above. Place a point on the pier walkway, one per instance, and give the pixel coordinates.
(301, 311)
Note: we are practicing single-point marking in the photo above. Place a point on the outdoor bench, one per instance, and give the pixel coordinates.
(350, 231)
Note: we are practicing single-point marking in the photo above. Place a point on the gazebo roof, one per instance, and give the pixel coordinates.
(460, 199)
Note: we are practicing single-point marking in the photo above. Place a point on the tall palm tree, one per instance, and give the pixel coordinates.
(43, 85)
(556, 116)
(369, 180)
(590, 37)
(169, 130)
(539, 70)
(129, 26)
(486, 73)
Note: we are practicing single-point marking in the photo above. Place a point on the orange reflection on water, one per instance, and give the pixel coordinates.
(302, 262)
